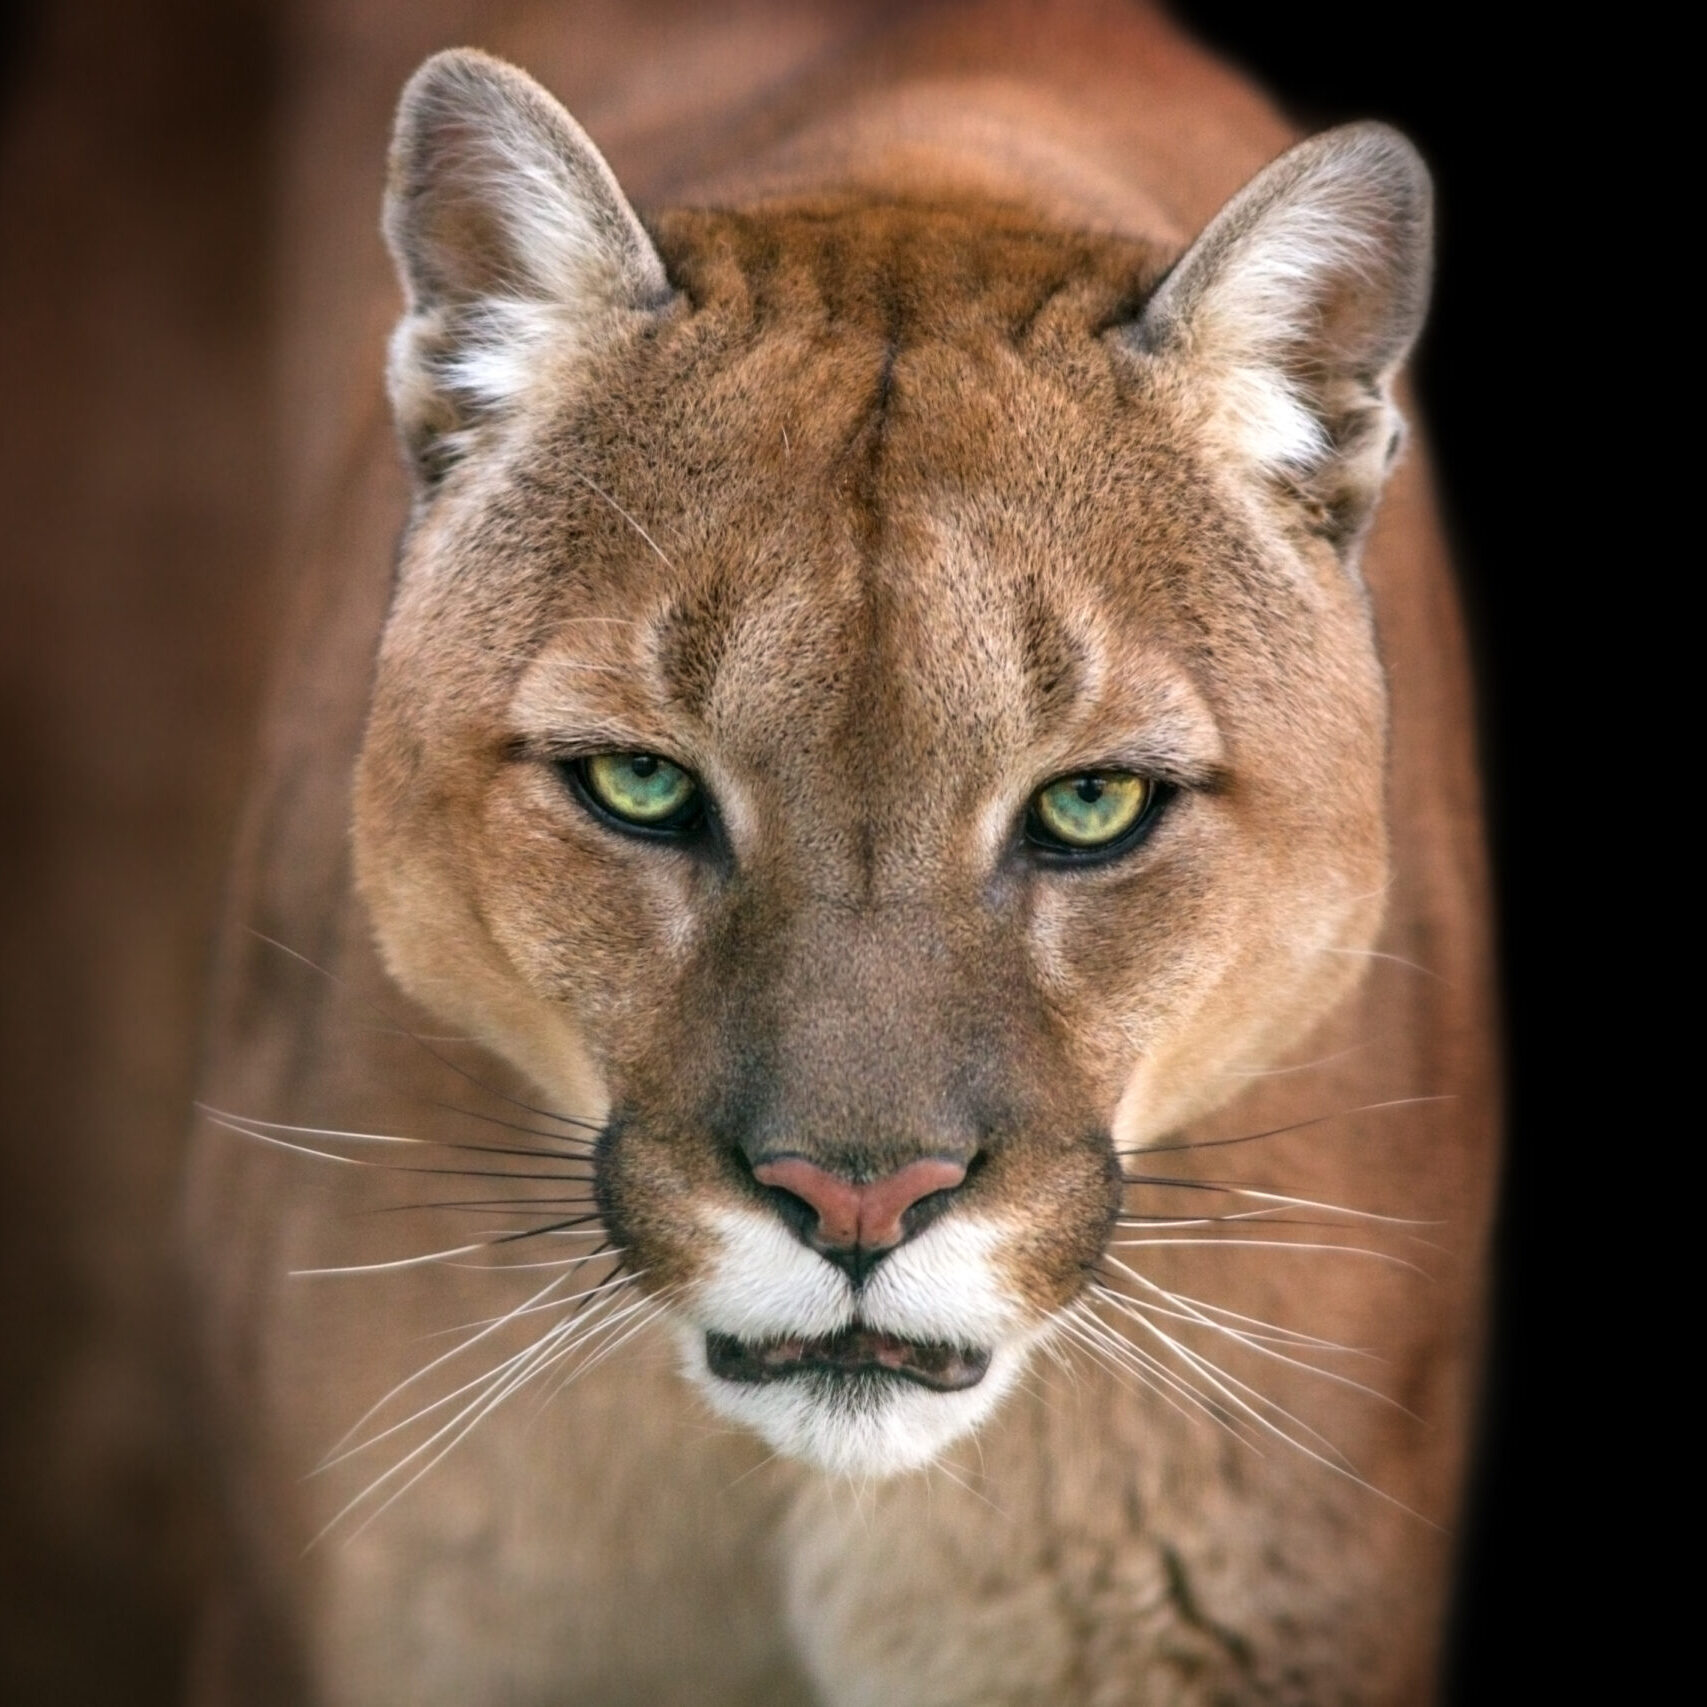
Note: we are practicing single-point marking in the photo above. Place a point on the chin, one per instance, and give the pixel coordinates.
(866, 1423)
(867, 1382)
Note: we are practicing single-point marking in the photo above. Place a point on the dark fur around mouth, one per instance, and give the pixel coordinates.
(853, 1351)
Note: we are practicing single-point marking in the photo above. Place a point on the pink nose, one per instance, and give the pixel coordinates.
(859, 1217)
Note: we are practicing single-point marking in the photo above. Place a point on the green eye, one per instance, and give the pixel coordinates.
(1090, 811)
(642, 789)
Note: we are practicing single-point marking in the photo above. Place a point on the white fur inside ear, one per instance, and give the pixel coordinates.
(1296, 306)
(1258, 326)
(516, 247)
(498, 352)
(563, 271)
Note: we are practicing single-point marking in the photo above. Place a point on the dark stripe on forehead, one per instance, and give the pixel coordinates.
(689, 640)
(1056, 659)
(903, 271)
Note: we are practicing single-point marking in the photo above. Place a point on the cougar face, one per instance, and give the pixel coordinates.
(857, 723)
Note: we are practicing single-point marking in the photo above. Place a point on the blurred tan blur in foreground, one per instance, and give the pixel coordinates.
(138, 591)
(143, 192)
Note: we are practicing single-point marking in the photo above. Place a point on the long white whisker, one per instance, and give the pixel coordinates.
(1231, 1389)
(599, 491)
(1281, 1245)
(230, 1124)
(1393, 959)
(1256, 1340)
(1120, 1354)
(443, 1257)
(400, 1262)
(1334, 1208)
(654, 1308)
(1259, 1344)
(1256, 1405)
(523, 1267)
(1280, 1332)
(483, 1382)
(246, 1121)
(438, 1362)
(518, 1372)
(572, 1301)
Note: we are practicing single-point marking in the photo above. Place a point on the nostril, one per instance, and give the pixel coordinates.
(833, 1200)
(865, 1215)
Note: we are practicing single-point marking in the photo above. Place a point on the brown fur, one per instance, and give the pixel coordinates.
(868, 507)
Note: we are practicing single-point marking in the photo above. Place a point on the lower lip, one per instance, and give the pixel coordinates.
(855, 1351)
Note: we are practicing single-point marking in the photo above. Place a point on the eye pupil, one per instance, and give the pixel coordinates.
(643, 764)
(1089, 789)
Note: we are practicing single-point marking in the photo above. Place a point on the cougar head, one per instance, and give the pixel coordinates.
(879, 709)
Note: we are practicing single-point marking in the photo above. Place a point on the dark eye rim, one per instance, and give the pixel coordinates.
(684, 822)
(1050, 850)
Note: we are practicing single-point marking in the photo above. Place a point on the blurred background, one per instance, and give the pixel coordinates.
(140, 257)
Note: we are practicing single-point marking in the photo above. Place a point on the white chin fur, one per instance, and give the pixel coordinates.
(942, 1286)
(876, 1427)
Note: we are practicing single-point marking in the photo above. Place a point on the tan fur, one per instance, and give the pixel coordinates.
(894, 465)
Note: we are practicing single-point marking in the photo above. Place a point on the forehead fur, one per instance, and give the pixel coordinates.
(884, 478)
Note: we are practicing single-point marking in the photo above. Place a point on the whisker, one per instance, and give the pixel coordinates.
(581, 1227)
(505, 1205)
(1281, 1245)
(338, 1447)
(573, 1301)
(1345, 1209)
(1231, 1388)
(574, 1139)
(1256, 1406)
(1253, 1343)
(398, 1262)
(443, 1257)
(1280, 1131)
(1251, 1339)
(1280, 1332)
(269, 1132)
(593, 1303)
(1271, 1217)
(652, 1309)
(599, 491)
(539, 1357)
(1392, 959)
(1297, 1067)
(231, 1123)
(417, 1039)
(1164, 1182)
(1119, 1354)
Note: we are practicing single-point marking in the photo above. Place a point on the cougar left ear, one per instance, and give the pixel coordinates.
(513, 243)
(1295, 309)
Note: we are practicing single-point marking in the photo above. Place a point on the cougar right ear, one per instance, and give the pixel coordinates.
(514, 245)
(1293, 311)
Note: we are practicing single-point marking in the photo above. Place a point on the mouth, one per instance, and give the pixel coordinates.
(853, 1351)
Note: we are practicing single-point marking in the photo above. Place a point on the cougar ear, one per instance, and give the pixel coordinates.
(1295, 309)
(513, 243)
